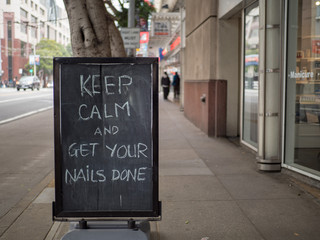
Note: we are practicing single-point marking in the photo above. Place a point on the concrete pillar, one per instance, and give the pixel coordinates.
(229, 69)
(182, 55)
(204, 93)
(269, 119)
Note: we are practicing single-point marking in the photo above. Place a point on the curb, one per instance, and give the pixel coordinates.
(13, 214)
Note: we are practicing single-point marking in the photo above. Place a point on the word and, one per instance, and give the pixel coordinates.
(112, 130)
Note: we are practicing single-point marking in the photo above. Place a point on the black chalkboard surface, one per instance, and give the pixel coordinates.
(106, 137)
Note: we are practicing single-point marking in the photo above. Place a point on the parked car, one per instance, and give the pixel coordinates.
(50, 85)
(28, 82)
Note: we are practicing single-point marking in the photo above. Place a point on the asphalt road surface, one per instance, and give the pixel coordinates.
(26, 143)
(14, 104)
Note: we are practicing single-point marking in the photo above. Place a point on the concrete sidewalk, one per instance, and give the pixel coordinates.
(209, 188)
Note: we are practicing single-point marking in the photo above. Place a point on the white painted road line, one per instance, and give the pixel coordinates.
(25, 115)
(23, 98)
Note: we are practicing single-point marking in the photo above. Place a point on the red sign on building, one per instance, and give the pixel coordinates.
(144, 37)
(175, 43)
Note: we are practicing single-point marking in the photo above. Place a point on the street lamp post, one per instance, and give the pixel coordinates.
(34, 60)
(28, 25)
(131, 13)
(0, 66)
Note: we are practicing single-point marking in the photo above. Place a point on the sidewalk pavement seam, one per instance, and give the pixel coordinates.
(53, 231)
(315, 192)
(276, 183)
(238, 147)
(10, 218)
(231, 224)
(250, 220)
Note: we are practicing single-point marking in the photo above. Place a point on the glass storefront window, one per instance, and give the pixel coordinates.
(302, 143)
(251, 76)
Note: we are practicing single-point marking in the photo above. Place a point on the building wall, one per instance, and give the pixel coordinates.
(213, 73)
(198, 12)
(229, 69)
(204, 93)
(8, 47)
(229, 8)
(205, 105)
(59, 31)
(200, 51)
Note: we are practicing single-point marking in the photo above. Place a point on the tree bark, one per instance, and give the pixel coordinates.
(93, 32)
(113, 9)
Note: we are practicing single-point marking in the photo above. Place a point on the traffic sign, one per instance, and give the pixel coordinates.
(131, 37)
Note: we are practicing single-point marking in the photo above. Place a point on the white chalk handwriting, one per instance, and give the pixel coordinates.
(137, 174)
(84, 175)
(128, 151)
(90, 84)
(93, 112)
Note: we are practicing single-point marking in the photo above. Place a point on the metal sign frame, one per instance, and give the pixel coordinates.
(59, 213)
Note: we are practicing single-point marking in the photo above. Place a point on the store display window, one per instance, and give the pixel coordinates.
(251, 76)
(302, 124)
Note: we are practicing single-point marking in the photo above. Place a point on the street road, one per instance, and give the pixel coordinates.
(26, 143)
(14, 104)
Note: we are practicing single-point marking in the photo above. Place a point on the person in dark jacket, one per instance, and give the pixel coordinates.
(165, 83)
(176, 85)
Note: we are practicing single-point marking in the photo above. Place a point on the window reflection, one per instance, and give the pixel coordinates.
(303, 86)
(251, 76)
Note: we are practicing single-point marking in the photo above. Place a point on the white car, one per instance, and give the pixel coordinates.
(50, 85)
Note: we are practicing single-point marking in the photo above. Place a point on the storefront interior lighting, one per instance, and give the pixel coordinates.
(317, 3)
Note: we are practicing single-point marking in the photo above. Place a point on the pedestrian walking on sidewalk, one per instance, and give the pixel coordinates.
(165, 83)
(176, 85)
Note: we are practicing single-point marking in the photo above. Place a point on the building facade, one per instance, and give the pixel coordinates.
(252, 69)
(23, 24)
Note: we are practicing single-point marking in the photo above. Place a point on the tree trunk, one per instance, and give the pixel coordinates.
(93, 32)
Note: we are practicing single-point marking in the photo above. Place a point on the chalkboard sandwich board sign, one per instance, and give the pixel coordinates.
(106, 138)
